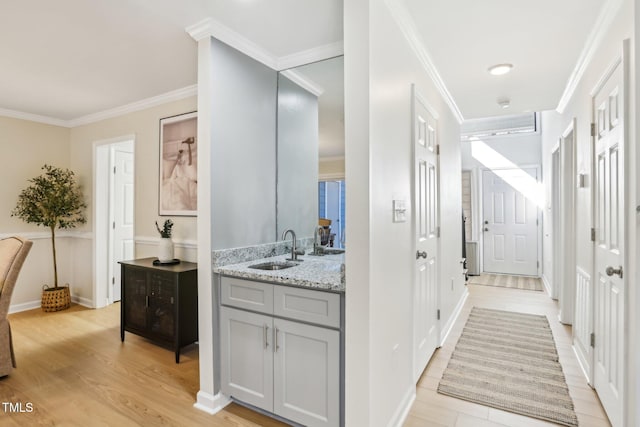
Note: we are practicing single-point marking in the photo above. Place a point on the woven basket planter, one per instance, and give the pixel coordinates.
(55, 299)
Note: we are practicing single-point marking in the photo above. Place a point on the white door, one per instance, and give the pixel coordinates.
(306, 373)
(609, 246)
(425, 226)
(123, 200)
(246, 357)
(510, 222)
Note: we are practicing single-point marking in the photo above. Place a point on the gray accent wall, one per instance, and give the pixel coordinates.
(243, 150)
(297, 159)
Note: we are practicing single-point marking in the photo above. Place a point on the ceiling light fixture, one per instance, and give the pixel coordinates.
(504, 103)
(500, 69)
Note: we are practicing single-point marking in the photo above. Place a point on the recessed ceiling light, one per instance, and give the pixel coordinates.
(504, 103)
(500, 69)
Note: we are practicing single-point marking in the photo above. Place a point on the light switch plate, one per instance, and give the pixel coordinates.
(399, 211)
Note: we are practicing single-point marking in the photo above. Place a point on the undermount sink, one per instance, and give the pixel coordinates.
(273, 265)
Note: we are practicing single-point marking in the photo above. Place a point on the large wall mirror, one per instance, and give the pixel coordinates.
(310, 149)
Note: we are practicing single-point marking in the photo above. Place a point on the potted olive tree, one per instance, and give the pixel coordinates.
(53, 200)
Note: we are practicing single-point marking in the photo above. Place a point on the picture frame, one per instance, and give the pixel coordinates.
(178, 166)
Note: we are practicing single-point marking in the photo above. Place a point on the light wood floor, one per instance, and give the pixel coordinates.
(74, 371)
(434, 410)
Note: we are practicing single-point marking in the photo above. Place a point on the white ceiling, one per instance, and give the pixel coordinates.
(66, 59)
(543, 39)
(72, 58)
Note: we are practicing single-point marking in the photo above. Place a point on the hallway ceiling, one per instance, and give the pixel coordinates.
(72, 58)
(543, 39)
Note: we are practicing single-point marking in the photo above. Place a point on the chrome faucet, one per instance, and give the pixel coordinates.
(294, 249)
(316, 246)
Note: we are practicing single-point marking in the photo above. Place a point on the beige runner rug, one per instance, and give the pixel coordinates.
(509, 361)
(507, 281)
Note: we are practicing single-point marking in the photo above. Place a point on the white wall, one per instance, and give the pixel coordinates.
(380, 67)
(580, 108)
(297, 167)
(331, 168)
(519, 149)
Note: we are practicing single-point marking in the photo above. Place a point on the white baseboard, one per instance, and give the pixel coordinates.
(30, 305)
(444, 332)
(209, 403)
(17, 308)
(547, 285)
(86, 302)
(402, 412)
(584, 366)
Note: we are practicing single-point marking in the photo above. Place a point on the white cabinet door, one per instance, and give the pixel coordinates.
(306, 373)
(247, 357)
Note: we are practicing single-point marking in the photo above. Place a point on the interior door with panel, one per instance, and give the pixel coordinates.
(426, 229)
(123, 201)
(609, 246)
(510, 229)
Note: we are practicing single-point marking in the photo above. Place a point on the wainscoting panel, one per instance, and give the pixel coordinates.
(583, 322)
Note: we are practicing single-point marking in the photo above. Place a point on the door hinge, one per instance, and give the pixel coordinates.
(114, 170)
(438, 149)
(114, 225)
(593, 129)
(538, 264)
(438, 314)
(593, 339)
(113, 280)
(537, 222)
(593, 234)
(438, 232)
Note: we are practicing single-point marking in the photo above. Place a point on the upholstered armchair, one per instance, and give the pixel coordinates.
(13, 251)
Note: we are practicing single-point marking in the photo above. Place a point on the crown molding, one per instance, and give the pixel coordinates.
(597, 34)
(34, 117)
(144, 104)
(308, 56)
(211, 28)
(304, 82)
(408, 28)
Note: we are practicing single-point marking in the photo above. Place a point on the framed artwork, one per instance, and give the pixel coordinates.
(178, 178)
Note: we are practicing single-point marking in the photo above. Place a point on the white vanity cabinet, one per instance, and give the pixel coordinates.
(287, 366)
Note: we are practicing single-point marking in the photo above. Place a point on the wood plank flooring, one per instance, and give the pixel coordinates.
(436, 410)
(506, 281)
(74, 370)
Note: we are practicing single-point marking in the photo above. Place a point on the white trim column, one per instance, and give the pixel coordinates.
(209, 399)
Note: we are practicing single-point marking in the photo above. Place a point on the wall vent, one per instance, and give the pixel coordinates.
(499, 126)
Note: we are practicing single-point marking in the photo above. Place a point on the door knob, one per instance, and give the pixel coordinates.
(611, 271)
(422, 254)
(486, 222)
(486, 229)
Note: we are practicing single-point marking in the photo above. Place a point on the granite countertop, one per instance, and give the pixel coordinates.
(317, 272)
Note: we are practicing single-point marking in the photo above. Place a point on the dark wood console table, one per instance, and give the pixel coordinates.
(160, 302)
